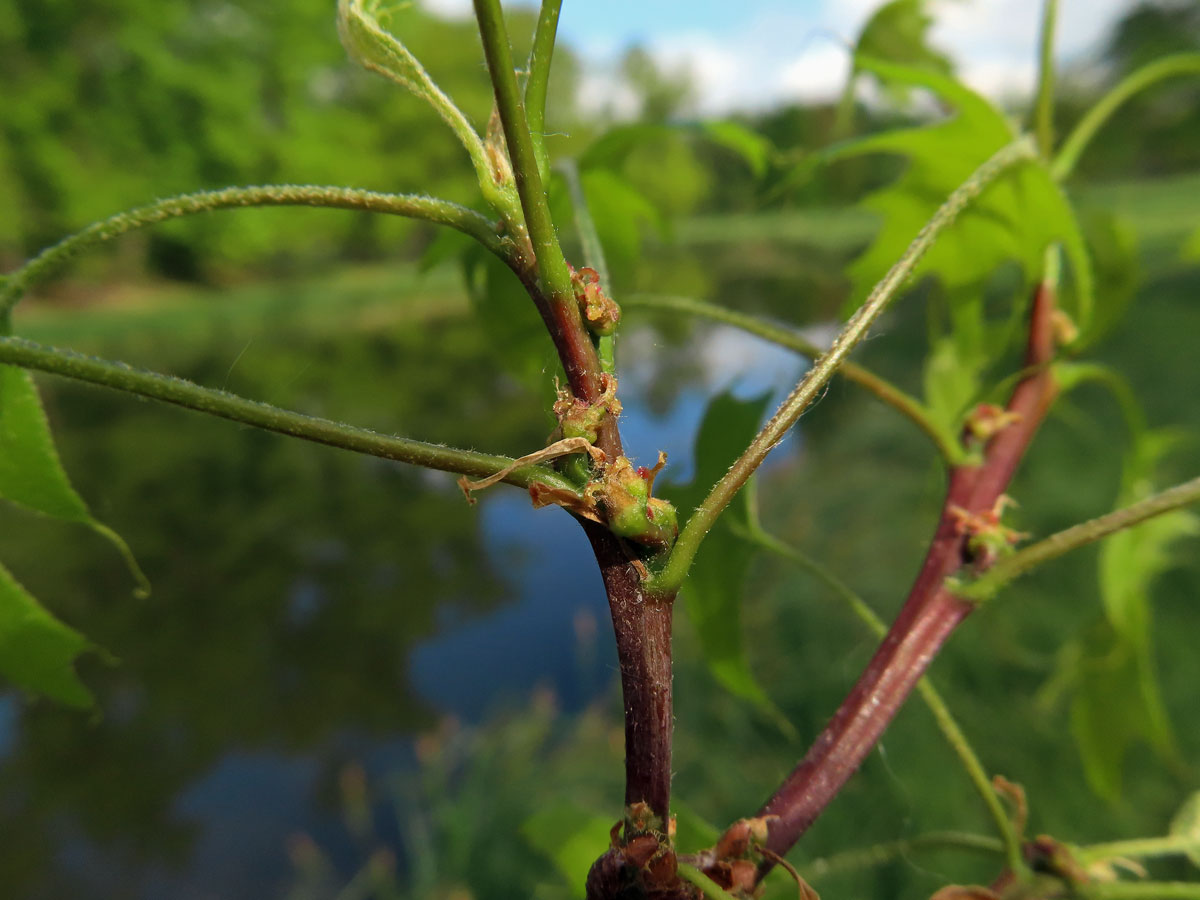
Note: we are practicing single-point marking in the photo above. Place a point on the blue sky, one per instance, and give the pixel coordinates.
(746, 54)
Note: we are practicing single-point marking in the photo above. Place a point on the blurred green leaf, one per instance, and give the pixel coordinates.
(622, 215)
(1190, 252)
(505, 312)
(1186, 825)
(38, 652)
(570, 836)
(611, 149)
(1119, 700)
(754, 149)
(1013, 221)
(898, 32)
(1113, 245)
(713, 590)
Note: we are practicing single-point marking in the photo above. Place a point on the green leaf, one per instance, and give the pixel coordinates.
(1186, 825)
(505, 311)
(754, 149)
(1113, 247)
(1119, 701)
(1014, 220)
(713, 590)
(622, 216)
(38, 652)
(1190, 251)
(570, 836)
(898, 32)
(31, 474)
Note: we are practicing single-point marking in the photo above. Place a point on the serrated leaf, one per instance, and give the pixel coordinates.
(38, 652)
(31, 474)
(1013, 221)
(570, 836)
(713, 590)
(1186, 826)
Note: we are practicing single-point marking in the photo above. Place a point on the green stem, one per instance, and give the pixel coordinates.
(552, 268)
(884, 390)
(429, 208)
(1009, 568)
(884, 853)
(1044, 105)
(168, 389)
(540, 57)
(1148, 75)
(1138, 848)
(946, 722)
(563, 318)
(810, 387)
(708, 888)
(1141, 890)
(593, 251)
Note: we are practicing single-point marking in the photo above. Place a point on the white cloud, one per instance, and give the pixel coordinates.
(818, 74)
(449, 9)
(775, 57)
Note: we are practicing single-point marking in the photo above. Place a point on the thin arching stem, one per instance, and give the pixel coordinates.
(885, 853)
(810, 387)
(430, 209)
(1141, 890)
(177, 391)
(1135, 82)
(1137, 848)
(945, 720)
(1012, 567)
(905, 404)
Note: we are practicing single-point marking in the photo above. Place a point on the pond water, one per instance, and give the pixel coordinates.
(311, 609)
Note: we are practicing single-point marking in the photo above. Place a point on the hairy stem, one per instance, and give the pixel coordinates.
(1140, 890)
(1006, 570)
(1138, 848)
(1135, 82)
(905, 404)
(885, 853)
(177, 391)
(931, 612)
(428, 208)
(536, 82)
(814, 381)
(1043, 114)
(707, 887)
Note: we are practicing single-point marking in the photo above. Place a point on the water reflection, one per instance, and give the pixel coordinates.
(311, 608)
